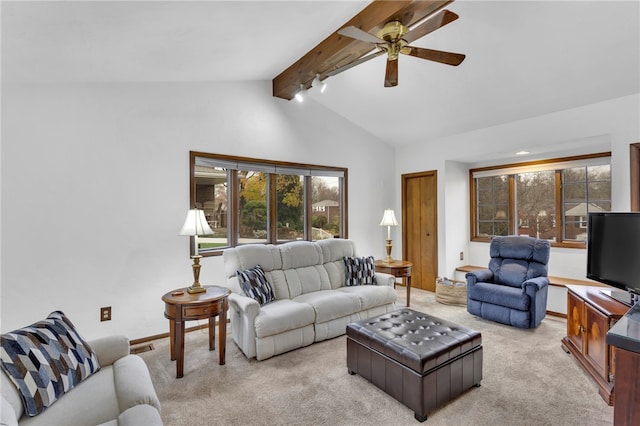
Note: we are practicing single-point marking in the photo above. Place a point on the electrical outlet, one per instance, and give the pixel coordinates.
(105, 313)
(461, 255)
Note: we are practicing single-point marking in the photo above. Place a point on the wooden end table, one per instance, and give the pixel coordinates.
(399, 269)
(180, 306)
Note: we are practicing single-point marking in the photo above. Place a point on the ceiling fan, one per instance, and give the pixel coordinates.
(394, 38)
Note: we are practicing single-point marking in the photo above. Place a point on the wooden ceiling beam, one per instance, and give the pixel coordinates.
(336, 51)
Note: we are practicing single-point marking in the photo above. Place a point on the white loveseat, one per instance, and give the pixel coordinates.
(312, 302)
(120, 393)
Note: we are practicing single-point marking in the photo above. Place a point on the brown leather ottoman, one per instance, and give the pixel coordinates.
(420, 360)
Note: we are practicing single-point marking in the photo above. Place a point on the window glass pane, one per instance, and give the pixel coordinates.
(602, 173)
(535, 202)
(325, 207)
(575, 192)
(211, 196)
(252, 209)
(493, 205)
(594, 196)
(576, 174)
(289, 207)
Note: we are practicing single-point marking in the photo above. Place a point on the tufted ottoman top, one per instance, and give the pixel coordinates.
(416, 340)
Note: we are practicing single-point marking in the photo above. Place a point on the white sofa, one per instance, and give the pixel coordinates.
(312, 302)
(120, 393)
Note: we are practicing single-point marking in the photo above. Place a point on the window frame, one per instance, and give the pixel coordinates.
(530, 165)
(233, 197)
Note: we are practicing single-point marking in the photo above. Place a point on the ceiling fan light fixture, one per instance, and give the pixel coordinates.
(301, 95)
(319, 84)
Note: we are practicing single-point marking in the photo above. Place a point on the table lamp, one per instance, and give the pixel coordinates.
(194, 225)
(389, 220)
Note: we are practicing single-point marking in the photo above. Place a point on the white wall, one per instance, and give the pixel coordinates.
(610, 125)
(95, 187)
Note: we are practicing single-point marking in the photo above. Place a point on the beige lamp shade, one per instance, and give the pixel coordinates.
(389, 218)
(195, 224)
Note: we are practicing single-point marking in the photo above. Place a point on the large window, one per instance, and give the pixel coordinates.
(549, 200)
(249, 201)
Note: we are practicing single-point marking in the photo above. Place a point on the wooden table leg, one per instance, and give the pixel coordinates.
(408, 291)
(179, 332)
(172, 339)
(212, 333)
(222, 335)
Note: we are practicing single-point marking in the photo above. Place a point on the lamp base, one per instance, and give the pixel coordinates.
(196, 287)
(389, 247)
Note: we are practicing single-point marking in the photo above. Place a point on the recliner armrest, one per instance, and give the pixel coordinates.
(110, 349)
(536, 283)
(481, 275)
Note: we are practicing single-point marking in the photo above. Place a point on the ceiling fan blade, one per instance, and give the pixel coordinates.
(358, 34)
(437, 21)
(436, 55)
(354, 63)
(391, 75)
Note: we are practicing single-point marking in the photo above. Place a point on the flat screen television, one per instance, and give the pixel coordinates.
(613, 253)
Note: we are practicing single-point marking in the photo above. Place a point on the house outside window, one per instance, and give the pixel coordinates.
(549, 200)
(250, 201)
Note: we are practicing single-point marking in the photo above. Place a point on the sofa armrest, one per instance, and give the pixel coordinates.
(110, 349)
(248, 306)
(479, 276)
(385, 279)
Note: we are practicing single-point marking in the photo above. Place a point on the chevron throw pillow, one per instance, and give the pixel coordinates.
(254, 283)
(359, 270)
(45, 360)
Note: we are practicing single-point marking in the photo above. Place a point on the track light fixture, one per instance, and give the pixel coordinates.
(302, 93)
(319, 84)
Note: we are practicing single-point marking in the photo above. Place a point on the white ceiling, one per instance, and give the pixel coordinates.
(524, 58)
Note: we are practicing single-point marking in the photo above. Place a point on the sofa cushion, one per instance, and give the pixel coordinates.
(359, 270)
(282, 315)
(255, 285)
(372, 296)
(45, 360)
(330, 304)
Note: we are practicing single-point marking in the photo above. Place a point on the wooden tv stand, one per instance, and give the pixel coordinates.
(590, 315)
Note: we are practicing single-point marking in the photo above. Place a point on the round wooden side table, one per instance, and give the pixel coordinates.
(180, 306)
(399, 269)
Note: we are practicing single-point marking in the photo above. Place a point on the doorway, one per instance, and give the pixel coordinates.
(420, 227)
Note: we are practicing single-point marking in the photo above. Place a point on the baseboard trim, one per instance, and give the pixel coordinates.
(142, 340)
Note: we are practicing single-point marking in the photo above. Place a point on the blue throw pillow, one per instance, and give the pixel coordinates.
(254, 283)
(45, 360)
(359, 270)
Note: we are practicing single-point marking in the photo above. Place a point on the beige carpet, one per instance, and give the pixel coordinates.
(528, 380)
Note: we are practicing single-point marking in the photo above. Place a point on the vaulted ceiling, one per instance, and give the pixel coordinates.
(524, 58)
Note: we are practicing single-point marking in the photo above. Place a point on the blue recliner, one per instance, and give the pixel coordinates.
(513, 290)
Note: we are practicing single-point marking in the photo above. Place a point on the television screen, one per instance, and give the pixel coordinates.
(613, 249)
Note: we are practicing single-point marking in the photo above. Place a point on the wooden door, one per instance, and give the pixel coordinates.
(420, 227)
